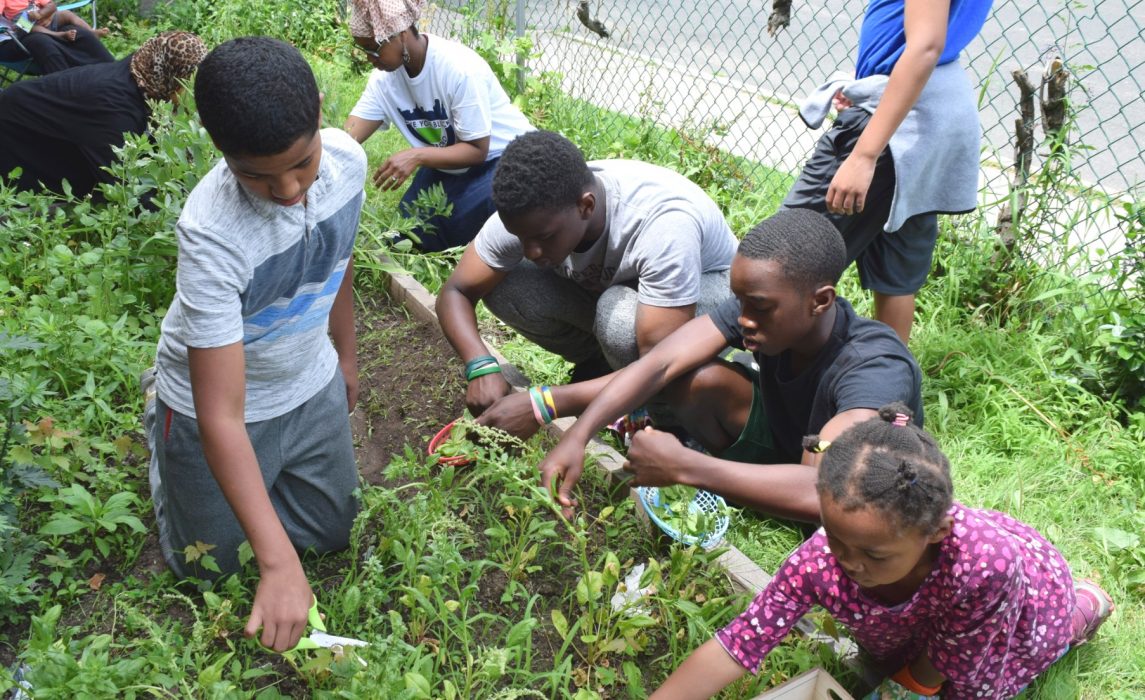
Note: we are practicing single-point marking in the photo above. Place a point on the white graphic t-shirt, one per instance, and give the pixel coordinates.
(454, 98)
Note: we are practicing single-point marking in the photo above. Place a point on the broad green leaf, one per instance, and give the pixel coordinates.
(417, 684)
(1117, 540)
(61, 524)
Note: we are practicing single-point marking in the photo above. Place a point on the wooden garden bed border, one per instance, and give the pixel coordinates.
(744, 573)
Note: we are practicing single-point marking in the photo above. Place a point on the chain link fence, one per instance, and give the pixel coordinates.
(714, 69)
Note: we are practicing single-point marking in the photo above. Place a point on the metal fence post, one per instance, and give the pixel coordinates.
(519, 22)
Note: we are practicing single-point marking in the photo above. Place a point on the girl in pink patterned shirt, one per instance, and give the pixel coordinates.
(964, 602)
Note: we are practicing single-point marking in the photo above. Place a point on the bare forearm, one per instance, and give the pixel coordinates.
(906, 82)
(573, 399)
(460, 155)
(360, 129)
(783, 490)
(613, 395)
(694, 343)
(925, 27)
(707, 671)
(458, 317)
(342, 329)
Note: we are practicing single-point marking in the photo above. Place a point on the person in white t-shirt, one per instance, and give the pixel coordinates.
(448, 104)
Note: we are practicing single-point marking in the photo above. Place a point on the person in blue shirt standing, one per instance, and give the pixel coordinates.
(903, 148)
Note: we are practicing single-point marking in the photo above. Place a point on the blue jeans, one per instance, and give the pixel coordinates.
(470, 193)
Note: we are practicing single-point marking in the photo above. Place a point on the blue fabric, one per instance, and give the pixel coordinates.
(471, 194)
(882, 37)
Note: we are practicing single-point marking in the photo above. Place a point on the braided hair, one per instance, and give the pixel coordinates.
(890, 464)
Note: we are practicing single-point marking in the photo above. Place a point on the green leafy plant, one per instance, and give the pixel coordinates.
(1128, 552)
(78, 511)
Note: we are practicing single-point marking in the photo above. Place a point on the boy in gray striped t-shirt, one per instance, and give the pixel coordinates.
(248, 418)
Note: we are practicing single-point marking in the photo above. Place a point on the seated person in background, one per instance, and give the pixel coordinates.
(953, 601)
(447, 104)
(64, 126)
(56, 40)
(47, 17)
(818, 368)
(596, 262)
(256, 369)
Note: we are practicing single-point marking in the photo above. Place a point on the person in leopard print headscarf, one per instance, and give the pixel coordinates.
(63, 127)
(165, 60)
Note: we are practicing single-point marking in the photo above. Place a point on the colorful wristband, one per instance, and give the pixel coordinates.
(482, 371)
(907, 680)
(537, 402)
(549, 403)
(480, 362)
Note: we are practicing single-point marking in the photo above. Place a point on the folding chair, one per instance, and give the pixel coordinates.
(20, 64)
(16, 68)
(79, 4)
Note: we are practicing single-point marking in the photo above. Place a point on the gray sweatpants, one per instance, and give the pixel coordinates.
(307, 462)
(569, 320)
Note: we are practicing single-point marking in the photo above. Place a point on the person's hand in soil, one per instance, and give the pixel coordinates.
(396, 170)
(484, 391)
(512, 413)
(281, 605)
(655, 458)
(561, 469)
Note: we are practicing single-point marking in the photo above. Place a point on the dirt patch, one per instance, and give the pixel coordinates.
(411, 384)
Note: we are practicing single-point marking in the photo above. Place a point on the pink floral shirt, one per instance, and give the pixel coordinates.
(992, 614)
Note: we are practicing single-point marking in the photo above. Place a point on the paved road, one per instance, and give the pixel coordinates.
(730, 39)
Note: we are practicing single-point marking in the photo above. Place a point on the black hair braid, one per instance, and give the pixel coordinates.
(890, 464)
(539, 170)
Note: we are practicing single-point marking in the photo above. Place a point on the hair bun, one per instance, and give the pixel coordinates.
(907, 476)
(890, 411)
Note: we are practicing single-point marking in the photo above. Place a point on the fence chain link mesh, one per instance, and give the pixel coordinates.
(714, 70)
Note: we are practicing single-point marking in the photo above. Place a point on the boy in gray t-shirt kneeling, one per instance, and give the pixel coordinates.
(594, 261)
(246, 412)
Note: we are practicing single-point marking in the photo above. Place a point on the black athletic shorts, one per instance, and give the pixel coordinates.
(895, 263)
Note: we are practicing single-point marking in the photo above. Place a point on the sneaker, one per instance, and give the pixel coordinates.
(1092, 608)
